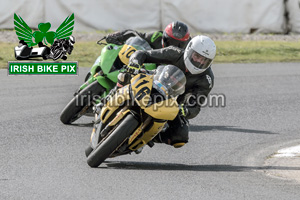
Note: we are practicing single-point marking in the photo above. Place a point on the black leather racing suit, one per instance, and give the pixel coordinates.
(153, 38)
(198, 86)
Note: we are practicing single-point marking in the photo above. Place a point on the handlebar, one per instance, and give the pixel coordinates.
(135, 72)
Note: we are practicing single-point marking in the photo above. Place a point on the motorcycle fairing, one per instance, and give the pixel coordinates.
(114, 103)
(141, 86)
(166, 110)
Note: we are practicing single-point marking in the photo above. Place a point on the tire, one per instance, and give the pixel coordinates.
(88, 150)
(71, 112)
(45, 53)
(57, 54)
(116, 138)
(87, 77)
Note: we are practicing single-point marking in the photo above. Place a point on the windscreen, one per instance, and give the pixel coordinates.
(170, 79)
(132, 45)
(138, 43)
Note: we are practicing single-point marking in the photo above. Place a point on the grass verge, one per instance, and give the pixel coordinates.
(257, 51)
(227, 52)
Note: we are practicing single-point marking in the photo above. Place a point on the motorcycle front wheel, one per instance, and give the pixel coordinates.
(57, 54)
(80, 103)
(113, 141)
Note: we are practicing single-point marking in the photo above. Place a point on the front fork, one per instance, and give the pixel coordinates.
(95, 136)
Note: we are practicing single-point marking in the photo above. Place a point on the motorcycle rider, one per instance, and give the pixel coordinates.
(176, 34)
(64, 46)
(196, 62)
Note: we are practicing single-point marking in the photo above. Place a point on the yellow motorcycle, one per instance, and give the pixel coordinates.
(135, 114)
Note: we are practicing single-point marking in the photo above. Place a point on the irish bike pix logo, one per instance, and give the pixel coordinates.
(53, 46)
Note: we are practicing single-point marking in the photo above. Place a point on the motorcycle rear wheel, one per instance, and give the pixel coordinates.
(72, 111)
(113, 141)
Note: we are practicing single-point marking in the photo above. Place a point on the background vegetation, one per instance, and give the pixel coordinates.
(86, 52)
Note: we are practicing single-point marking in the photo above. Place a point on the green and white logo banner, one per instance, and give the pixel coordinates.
(42, 68)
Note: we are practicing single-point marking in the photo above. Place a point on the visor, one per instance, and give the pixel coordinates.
(198, 61)
(169, 41)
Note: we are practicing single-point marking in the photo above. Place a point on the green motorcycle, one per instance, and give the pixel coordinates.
(102, 77)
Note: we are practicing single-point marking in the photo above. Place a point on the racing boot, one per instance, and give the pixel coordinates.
(176, 133)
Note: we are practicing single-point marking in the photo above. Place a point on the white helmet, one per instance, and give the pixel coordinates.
(199, 54)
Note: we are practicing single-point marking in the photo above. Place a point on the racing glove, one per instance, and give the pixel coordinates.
(183, 111)
(133, 68)
(114, 38)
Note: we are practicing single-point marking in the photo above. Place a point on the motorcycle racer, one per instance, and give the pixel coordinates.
(176, 34)
(196, 62)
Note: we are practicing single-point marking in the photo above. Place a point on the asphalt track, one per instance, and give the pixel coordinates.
(43, 159)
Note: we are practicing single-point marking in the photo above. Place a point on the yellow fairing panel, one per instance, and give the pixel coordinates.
(167, 109)
(125, 53)
(114, 103)
(149, 135)
(141, 86)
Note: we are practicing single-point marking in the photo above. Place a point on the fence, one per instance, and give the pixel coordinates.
(213, 16)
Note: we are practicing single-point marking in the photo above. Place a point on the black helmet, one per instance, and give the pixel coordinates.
(176, 34)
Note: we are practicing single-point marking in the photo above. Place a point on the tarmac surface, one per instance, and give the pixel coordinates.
(230, 154)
